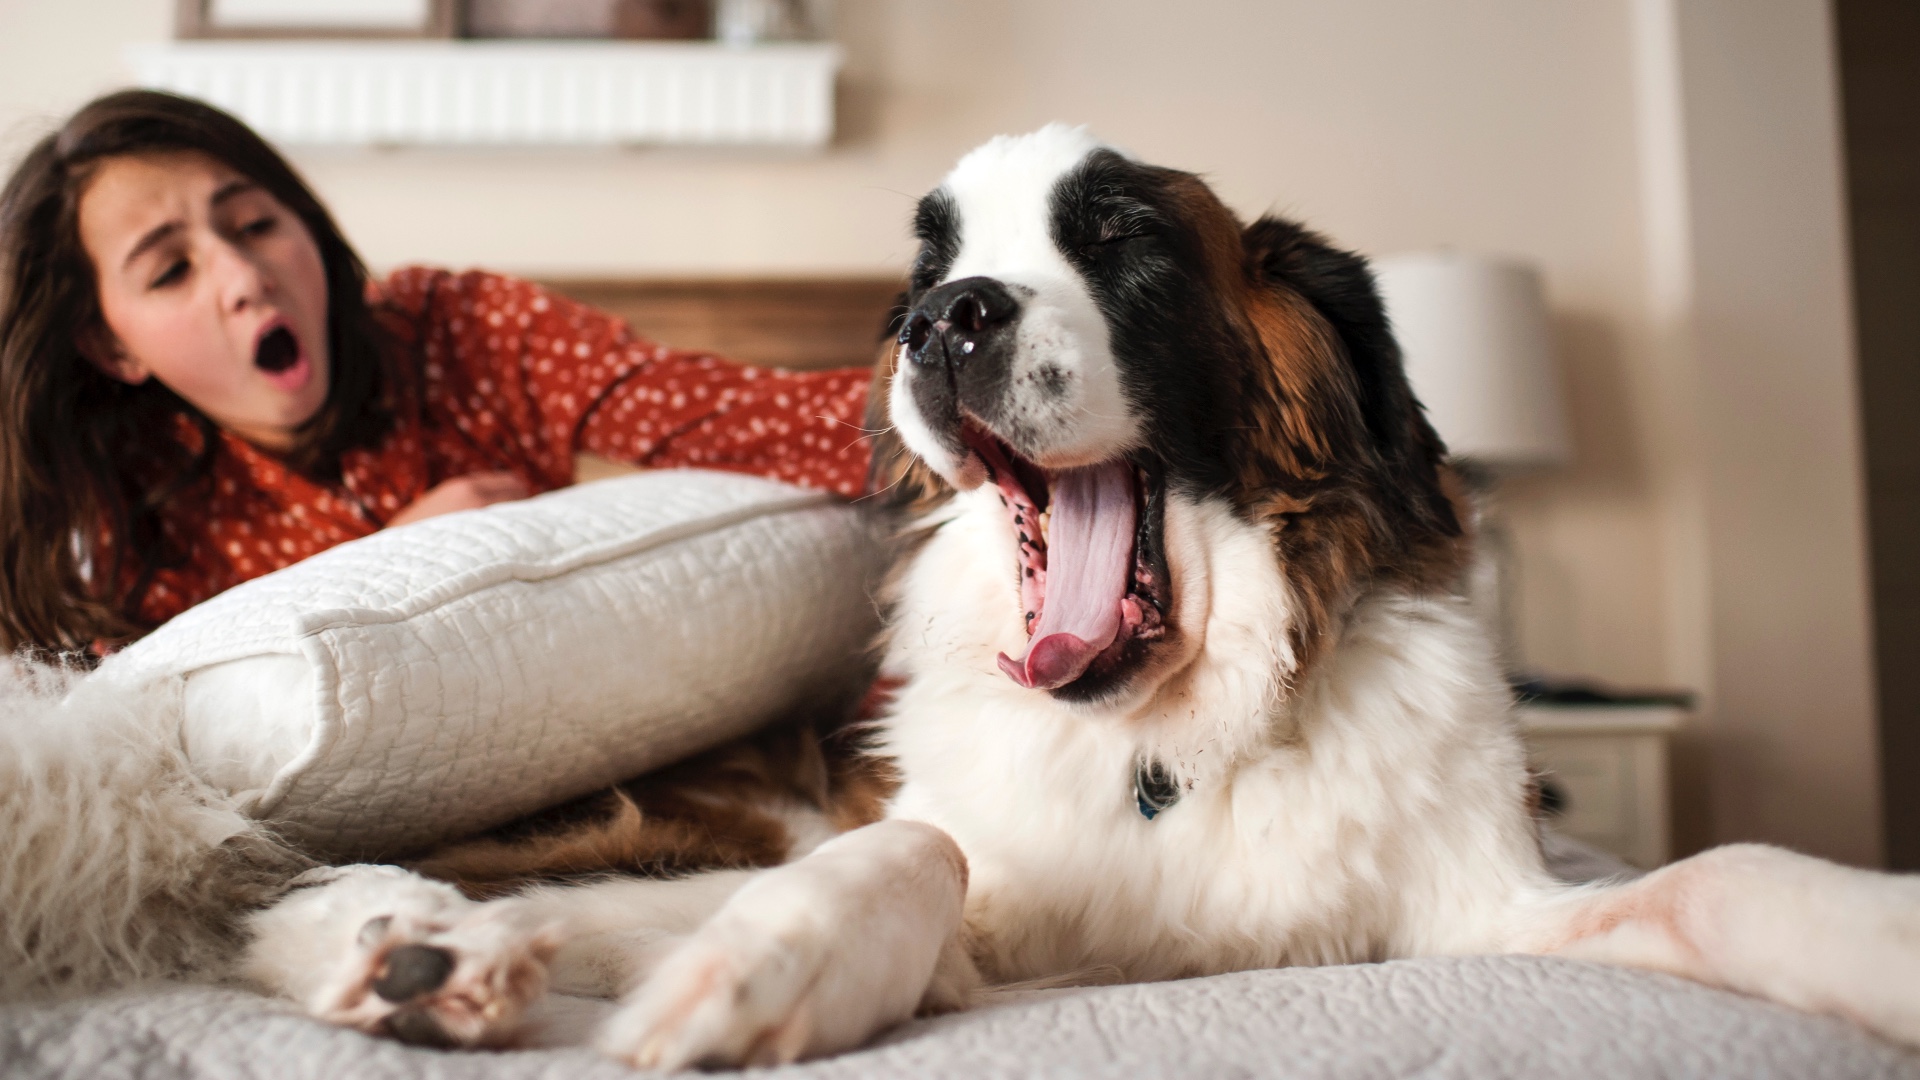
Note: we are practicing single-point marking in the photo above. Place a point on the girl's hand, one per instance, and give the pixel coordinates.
(469, 492)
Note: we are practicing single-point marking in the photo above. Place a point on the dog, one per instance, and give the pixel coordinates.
(1181, 685)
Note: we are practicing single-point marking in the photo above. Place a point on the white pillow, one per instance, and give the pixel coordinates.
(429, 681)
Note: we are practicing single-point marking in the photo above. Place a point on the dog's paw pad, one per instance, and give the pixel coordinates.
(465, 984)
(411, 971)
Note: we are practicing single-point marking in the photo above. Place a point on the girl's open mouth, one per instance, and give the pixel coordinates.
(279, 357)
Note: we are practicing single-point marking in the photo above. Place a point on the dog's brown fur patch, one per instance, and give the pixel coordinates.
(1355, 491)
(731, 807)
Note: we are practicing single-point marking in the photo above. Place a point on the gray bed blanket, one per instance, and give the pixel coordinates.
(1484, 1017)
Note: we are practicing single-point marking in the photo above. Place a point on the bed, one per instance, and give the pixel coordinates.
(1483, 1018)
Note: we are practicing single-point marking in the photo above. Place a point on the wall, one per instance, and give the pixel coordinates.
(1504, 125)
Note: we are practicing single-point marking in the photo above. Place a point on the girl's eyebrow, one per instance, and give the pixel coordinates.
(236, 186)
(165, 229)
(154, 236)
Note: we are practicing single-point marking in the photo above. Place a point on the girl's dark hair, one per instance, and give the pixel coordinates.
(85, 457)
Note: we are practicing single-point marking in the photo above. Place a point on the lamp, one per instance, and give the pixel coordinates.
(1473, 332)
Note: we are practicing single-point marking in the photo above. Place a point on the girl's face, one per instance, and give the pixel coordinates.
(210, 285)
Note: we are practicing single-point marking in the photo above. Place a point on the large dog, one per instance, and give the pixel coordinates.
(1182, 687)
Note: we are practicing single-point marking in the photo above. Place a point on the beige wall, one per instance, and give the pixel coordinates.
(1505, 125)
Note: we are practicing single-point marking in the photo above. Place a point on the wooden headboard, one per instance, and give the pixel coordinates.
(781, 322)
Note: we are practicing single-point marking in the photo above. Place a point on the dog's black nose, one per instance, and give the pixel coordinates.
(915, 333)
(953, 322)
(982, 305)
(413, 970)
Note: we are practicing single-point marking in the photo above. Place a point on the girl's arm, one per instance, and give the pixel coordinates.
(544, 378)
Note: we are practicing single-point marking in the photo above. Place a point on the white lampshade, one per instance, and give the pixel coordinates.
(1474, 333)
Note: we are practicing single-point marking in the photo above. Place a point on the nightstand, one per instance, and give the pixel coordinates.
(1607, 767)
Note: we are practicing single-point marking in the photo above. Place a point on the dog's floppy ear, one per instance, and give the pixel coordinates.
(1340, 287)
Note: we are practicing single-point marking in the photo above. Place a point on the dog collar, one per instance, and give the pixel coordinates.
(1153, 789)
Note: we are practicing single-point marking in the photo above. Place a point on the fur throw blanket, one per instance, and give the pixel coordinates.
(117, 866)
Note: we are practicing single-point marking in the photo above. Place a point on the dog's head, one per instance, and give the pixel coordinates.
(1089, 334)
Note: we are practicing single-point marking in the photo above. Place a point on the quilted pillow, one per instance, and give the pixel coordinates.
(429, 681)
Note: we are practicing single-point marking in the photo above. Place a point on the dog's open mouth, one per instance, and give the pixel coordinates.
(1093, 580)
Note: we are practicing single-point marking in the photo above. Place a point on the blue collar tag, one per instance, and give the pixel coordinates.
(1153, 789)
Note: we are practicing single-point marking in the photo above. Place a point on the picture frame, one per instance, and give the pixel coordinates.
(309, 19)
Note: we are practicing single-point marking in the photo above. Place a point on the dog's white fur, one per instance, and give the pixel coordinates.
(1000, 191)
(1368, 807)
(1373, 811)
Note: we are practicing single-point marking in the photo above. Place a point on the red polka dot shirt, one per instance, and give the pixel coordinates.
(511, 378)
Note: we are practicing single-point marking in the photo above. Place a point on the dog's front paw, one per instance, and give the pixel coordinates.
(389, 952)
(812, 958)
(732, 995)
(469, 984)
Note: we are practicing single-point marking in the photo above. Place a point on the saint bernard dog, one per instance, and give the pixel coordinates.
(1180, 686)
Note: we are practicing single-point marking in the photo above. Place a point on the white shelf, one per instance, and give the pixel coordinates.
(507, 93)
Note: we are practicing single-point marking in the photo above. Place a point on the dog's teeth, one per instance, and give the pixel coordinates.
(1046, 522)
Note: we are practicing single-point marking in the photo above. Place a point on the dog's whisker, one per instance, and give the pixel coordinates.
(870, 433)
(876, 494)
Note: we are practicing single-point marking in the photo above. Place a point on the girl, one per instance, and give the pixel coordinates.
(200, 385)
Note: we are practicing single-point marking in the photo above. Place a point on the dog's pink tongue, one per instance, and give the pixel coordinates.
(1089, 558)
